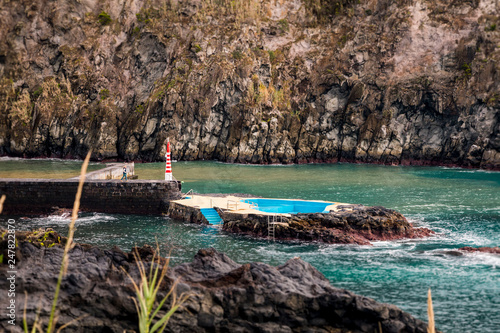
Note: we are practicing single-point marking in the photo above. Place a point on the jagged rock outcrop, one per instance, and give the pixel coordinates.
(225, 296)
(350, 224)
(494, 250)
(397, 82)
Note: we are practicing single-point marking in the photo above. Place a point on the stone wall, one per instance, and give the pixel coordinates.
(38, 196)
(185, 213)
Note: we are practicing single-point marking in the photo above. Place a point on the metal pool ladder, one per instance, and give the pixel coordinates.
(187, 194)
(272, 220)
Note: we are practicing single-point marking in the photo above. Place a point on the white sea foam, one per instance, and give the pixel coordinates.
(470, 237)
(97, 217)
(463, 170)
(481, 258)
(492, 209)
(7, 158)
(52, 159)
(66, 219)
(259, 165)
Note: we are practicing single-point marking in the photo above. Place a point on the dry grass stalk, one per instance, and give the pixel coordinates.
(430, 313)
(69, 243)
(2, 200)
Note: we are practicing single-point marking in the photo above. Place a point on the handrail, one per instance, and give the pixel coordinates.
(190, 192)
(253, 205)
(232, 203)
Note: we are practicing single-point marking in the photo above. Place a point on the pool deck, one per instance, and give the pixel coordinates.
(235, 205)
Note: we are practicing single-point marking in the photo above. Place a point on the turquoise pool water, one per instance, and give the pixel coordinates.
(462, 206)
(288, 206)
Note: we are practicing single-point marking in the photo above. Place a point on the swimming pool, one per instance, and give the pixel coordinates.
(284, 206)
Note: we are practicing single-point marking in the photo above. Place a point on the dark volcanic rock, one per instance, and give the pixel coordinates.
(225, 296)
(354, 224)
(495, 250)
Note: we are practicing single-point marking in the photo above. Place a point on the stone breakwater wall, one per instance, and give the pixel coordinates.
(39, 196)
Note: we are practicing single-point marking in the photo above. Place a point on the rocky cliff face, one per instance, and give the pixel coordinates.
(252, 81)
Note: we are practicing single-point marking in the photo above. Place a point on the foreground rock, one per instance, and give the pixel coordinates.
(350, 224)
(225, 296)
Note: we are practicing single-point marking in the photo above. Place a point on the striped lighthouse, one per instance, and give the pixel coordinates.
(168, 165)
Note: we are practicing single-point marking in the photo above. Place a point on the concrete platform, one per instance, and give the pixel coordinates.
(111, 171)
(235, 205)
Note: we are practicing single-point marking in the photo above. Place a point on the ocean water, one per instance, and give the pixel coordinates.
(462, 206)
(43, 168)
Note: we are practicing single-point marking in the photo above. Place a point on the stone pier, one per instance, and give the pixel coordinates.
(41, 196)
(112, 171)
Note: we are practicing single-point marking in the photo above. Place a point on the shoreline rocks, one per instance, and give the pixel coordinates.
(225, 296)
(493, 250)
(349, 224)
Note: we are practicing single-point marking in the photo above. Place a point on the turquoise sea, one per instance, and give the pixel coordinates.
(462, 206)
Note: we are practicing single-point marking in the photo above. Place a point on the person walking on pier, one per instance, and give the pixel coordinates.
(124, 173)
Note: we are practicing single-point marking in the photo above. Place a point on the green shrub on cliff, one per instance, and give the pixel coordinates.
(37, 92)
(104, 18)
(272, 56)
(21, 109)
(104, 93)
(283, 25)
(491, 27)
(323, 10)
(237, 54)
(467, 70)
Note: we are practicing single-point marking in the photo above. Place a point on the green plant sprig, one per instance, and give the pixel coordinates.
(146, 292)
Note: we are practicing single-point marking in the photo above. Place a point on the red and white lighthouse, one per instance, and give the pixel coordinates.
(168, 165)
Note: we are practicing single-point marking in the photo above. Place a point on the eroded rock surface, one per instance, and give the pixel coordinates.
(225, 296)
(396, 82)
